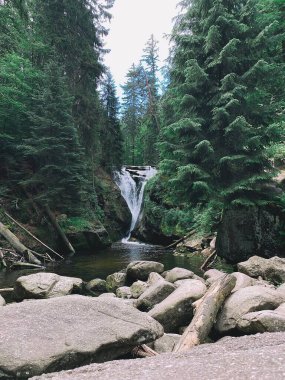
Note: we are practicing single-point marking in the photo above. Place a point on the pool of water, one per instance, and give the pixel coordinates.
(110, 260)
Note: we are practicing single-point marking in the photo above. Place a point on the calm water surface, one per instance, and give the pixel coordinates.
(110, 260)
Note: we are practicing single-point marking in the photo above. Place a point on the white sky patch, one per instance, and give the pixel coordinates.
(132, 24)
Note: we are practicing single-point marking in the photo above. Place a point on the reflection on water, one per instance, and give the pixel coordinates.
(110, 260)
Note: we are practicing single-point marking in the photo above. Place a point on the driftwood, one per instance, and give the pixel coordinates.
(143, 351)
(208, 260)
(21, 264)
(192, 232)
(6, 290)
(33, 236)
(17, 245)
(59, 230)
(206, 312)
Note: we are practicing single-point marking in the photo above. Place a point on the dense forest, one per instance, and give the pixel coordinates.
(212, 121)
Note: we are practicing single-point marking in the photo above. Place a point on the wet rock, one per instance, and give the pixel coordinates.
(138, 288)
(46, 285)
(96, 286)
(64, 332)
(115, 281)
(177, 274)
(2, 301)
(263, 321)
(176, 310)
(140, 270)
(166, 343)
(272, 269)
(124, 292)
(246, 300)
(154, 294)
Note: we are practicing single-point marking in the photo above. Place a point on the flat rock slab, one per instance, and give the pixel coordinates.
(259, 356)
(42, 336)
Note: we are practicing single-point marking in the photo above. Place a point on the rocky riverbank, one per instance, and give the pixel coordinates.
(143, 304)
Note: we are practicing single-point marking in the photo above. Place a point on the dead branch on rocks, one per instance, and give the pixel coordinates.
(172, 245)
(207, 309)
(208, 261)
(143, 351)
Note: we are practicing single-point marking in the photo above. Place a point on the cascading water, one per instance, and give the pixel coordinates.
(132, 190)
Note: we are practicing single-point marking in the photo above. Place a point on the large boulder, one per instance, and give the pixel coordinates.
(212, 275)
(46, 285)
(247, 230)
(2, 301)
(124, 292)
(242, 281)
(115, 281)
(263, 321)
(259, 356)
(177, 274)
(140, 270)
(246, 300)
(61, 333)
(272, 269)
(176, 310)
(154, 294)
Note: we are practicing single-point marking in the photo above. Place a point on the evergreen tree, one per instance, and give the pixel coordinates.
(56, 173)
(216, 122)
(111, 135)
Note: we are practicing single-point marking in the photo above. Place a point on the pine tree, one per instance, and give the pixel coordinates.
(216, 122)
(57, 174)
(111, 135)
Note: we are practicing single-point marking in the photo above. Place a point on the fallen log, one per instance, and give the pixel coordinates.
(59, 230)
(21, 264)
(33, 236)
(17, 245)
(207, 309)
(208, 260)
(174, 244)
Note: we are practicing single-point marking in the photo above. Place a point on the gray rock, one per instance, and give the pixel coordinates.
(97, 286)
(177, 274)
(263, 321)
(243, 281)
(46, 285)
(2, 301)
(281, 290)
(115, 281)
(140, 270)
(154, 294)
(153, 278)
(166, 343)
(176, 310)
(138, 288)
(107, 295)
(244, 301)
(244, 230)
(64, 332)
(251, 357)
(270, 269)
(124, 292)
(212, 275)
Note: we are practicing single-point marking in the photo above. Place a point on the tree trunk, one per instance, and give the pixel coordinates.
(17, 245)
(59, 231)
(206, 313)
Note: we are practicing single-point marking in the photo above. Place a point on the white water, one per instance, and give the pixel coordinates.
(133, 192)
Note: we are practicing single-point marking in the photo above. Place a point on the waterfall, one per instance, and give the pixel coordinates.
(132, 189)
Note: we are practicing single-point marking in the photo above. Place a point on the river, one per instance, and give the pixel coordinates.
(109, 260)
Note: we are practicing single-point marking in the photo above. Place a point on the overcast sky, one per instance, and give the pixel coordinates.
(132, 24)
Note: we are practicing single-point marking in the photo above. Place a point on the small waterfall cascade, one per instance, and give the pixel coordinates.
(131, 180)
